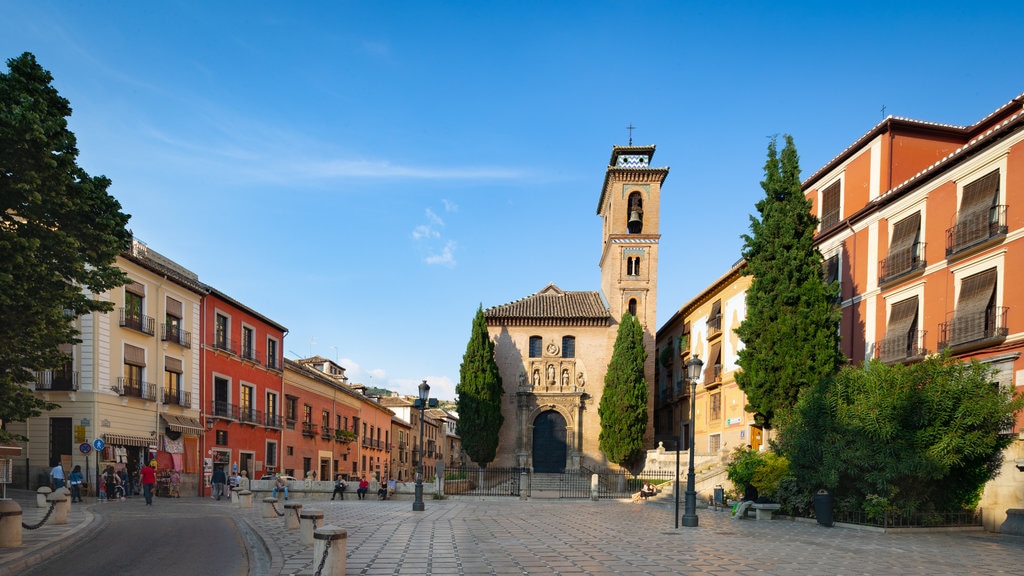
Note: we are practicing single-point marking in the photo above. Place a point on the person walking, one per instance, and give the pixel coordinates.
(339, 487)
(148, 479)
(75, 479)
(217, 479)
(57, 475)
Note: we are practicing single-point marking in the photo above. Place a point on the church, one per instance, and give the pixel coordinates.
(553, 347)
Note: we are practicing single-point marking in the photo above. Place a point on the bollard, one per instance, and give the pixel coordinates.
(329, 544)
(269, 505)
(595, 487)
(66, 504)
(42, 493)
(234, 498)
(523, 481)
(60, 508)
(10, 524)
(245, 499)
(292, 510)
(309, 520)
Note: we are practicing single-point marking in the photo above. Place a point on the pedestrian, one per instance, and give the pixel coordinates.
(76, 479)
(217, 480)
(148, 478)
(392, 486)
(280, 485)
(57, 475)
(112, 482)
(364, 485)
(339, 487)
(749, 496)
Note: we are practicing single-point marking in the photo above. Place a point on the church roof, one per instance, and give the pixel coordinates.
(552, 306)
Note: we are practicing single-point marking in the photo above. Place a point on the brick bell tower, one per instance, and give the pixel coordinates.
(630, 209)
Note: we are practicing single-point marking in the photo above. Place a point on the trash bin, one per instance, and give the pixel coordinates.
(823, 507)
(719, 497)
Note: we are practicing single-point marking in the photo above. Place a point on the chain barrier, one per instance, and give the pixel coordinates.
(276, 511)
(323, 560)
(43, 521)
(298, 516)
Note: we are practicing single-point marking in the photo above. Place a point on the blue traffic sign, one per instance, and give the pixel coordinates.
(84, 448)
(98, 444)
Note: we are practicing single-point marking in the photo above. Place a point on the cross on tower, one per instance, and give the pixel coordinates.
(630, 128)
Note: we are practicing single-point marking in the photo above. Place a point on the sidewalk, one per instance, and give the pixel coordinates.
(50, 538)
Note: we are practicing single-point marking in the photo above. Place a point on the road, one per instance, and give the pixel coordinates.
(170, 538)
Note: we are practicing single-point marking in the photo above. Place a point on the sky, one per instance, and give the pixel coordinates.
(367, 174)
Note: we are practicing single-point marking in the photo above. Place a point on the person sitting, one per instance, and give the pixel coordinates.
(648, 490)
(339, 487)
(280, 484)
(749, 496)
(364, 485)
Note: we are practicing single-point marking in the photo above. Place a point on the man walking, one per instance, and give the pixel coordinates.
(148, 478)
(217, 479)
(57, 475)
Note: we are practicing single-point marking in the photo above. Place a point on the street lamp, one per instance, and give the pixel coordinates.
(690, 512)
(421, 403)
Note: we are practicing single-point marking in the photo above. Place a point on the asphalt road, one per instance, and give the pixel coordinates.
(170, 538)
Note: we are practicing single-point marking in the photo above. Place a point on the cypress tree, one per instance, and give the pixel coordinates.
(480, 392)
(623, 408)
(791, 330)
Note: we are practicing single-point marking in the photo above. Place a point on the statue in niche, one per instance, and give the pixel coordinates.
(580, 379)
(551, 373)
(522, 379)
(536, 377)
(565, 377)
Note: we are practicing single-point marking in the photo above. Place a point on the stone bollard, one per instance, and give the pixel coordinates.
(330, 541)
(269, 507)
(66, 504)
(309, 520)
(10, 524)
(245, 499)
(523, 484)
(595, 487)
(42, 493)
(292, 510)
(61, 506)
(234, 498)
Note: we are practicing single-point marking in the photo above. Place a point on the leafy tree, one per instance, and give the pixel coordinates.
(479, 396)
(763, 470)
(924, 436)
(791, 330)
(623, 408)
(60, 234)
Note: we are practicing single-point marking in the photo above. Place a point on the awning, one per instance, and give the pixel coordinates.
(183, 424)
(127, 440)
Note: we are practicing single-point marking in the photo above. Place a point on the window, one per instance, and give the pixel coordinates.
(632, 306)
(222, 438)
(715, 319)
(307, 413)
(713, 369)
(245, 404)
(901, 335)
(536, 346)
(325, 419)
(830, 270)
(172, 381)
(633, 266)
(248, 345)
(133, 315)
(568, 346)
(134, 369)
(272, 418)
(715, 408)
(291, 408)
(271, 353)
(830, 200)
(220, 332)
(979, 216)
(905, 253)
(221, 396)
(715, 443)
(976, 316)
(172, 322)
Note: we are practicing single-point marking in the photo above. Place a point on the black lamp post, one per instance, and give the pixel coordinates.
(421, 403)
(690, 512)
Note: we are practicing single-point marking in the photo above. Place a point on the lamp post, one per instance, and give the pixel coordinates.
(421, 403)
(690, 512)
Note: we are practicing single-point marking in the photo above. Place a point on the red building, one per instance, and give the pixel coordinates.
(242, 372)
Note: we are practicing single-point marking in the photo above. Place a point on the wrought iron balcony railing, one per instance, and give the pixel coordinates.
(975, 328)
(225, 344)
(172, 333)
(57, 380)
(222, 409)
(976, 228)
(902, 347)
(177, 397)
(902, 262)
(309, 429)
(135, 388)
(136, 321)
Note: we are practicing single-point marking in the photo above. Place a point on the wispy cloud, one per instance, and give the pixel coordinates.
(446, 257)
(449, 206)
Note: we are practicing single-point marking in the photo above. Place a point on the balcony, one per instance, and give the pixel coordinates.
(975, 229)
(135, 388)
(177, 398)
(248, 415)
(976, 330)
(272, 363)
(309, 429)
(223, 409)
(344, 436)
(136, 321)
(249, 353)
(224, 343)
(56, 380)
(902, 348)
(902, 263)
(172, 333)
(714, 326)
(272, 421)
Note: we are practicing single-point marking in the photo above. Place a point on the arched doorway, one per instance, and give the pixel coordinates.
(549, 449)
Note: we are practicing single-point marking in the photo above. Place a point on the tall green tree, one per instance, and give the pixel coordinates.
(60, 234)
(479, 396)
(623, 408)
(791, 330)
(922, 436)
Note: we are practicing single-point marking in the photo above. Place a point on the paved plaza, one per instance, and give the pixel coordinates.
(509, 536)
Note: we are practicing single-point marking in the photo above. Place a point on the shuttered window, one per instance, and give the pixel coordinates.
(713, 370)
(830, 206)
(134, 356)
(174, 308)
(172, 365)
(970, 319)
(901, 332)
(902, 253)
(975, 215)
(136, 288)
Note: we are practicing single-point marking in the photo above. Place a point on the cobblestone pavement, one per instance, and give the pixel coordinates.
(509, 536)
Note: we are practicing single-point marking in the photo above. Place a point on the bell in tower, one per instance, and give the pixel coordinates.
(636, 214)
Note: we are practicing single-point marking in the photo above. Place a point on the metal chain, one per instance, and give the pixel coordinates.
(276, 511)
(298, 516)
(43, 521)
(323, 560)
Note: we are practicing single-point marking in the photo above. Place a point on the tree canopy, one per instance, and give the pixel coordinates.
(920, 436)
(623, 407)
(791, 330)
(60, 234)
(479, 395)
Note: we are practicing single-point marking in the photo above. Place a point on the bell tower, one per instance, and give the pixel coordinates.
(630, 209)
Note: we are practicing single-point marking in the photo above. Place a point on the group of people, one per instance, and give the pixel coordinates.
(386, 490)
(115, 485)
(224, 484)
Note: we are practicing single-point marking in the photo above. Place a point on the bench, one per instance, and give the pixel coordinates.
(763, 511)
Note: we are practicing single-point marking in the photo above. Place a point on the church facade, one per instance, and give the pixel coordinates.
(553, 347)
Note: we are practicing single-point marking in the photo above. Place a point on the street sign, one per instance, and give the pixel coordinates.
(84, 448)
(98, 444)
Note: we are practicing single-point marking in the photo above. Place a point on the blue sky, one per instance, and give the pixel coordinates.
(368, 173)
